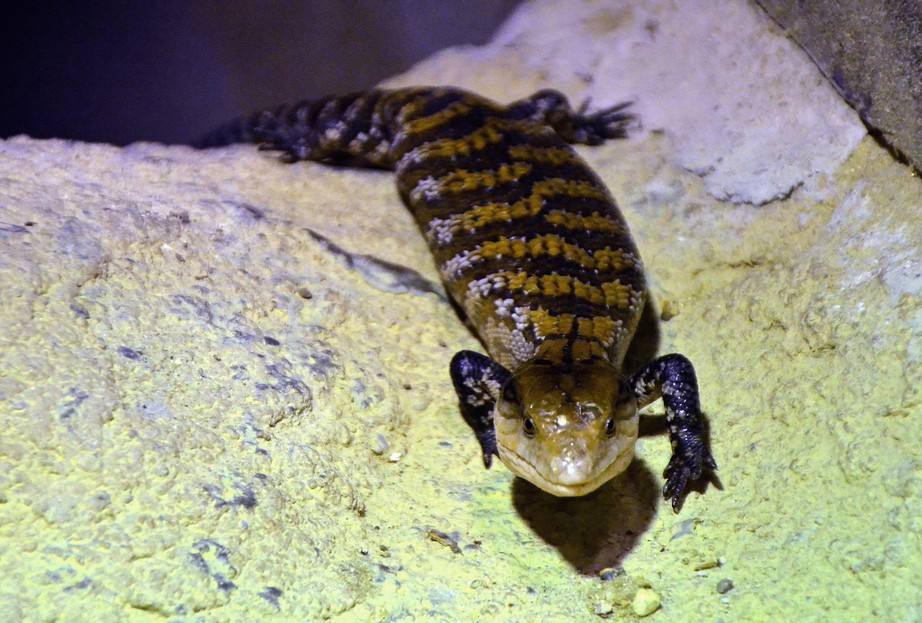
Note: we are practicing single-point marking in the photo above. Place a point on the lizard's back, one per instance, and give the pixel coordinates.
(528, 240)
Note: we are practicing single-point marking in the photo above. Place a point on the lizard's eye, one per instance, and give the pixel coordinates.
(610, 426)
(528, 425)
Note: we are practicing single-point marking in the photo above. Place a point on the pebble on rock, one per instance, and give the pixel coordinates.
(646, 602)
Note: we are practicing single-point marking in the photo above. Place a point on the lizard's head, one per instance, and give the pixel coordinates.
(567, 431)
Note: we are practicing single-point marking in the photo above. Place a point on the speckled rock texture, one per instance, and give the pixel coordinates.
(224, 391)
(872, 53)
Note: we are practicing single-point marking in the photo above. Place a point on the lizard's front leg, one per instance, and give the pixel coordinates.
(478, 381)
(673, 378)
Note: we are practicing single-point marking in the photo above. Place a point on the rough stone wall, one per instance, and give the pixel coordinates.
(223, 384)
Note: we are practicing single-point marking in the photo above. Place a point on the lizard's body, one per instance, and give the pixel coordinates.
(533, 248)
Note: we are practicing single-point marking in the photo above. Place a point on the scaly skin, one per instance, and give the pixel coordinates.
(533, 248)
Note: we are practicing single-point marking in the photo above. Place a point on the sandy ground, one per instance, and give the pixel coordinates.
(224, 391)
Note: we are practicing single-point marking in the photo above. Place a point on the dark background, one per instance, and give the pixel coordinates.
(168, 70)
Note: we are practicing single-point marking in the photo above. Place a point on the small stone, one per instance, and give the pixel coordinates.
(603, 609)
(645, 602)
(725, 586)
(668, 311)
(380, 445)
(610, 573)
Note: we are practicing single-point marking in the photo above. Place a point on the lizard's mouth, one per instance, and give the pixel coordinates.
(563, 477)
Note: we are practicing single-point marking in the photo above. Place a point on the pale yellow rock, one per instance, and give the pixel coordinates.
(199, 400)
(646, 602)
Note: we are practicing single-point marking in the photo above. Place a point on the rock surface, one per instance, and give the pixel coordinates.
(223, 387)
(871, 51)
(742, 106)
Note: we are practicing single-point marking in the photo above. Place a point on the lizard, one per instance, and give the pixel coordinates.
(532, 247)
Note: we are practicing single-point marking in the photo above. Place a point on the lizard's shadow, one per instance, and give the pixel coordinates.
(645, 346)
(597, 531)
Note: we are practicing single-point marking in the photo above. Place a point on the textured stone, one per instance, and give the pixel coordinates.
(872, 53)
(174, 411)
(208, 415)
(646, 602)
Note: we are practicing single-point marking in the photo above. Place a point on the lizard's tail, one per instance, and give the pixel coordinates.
(240, 130)
(354, 129)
